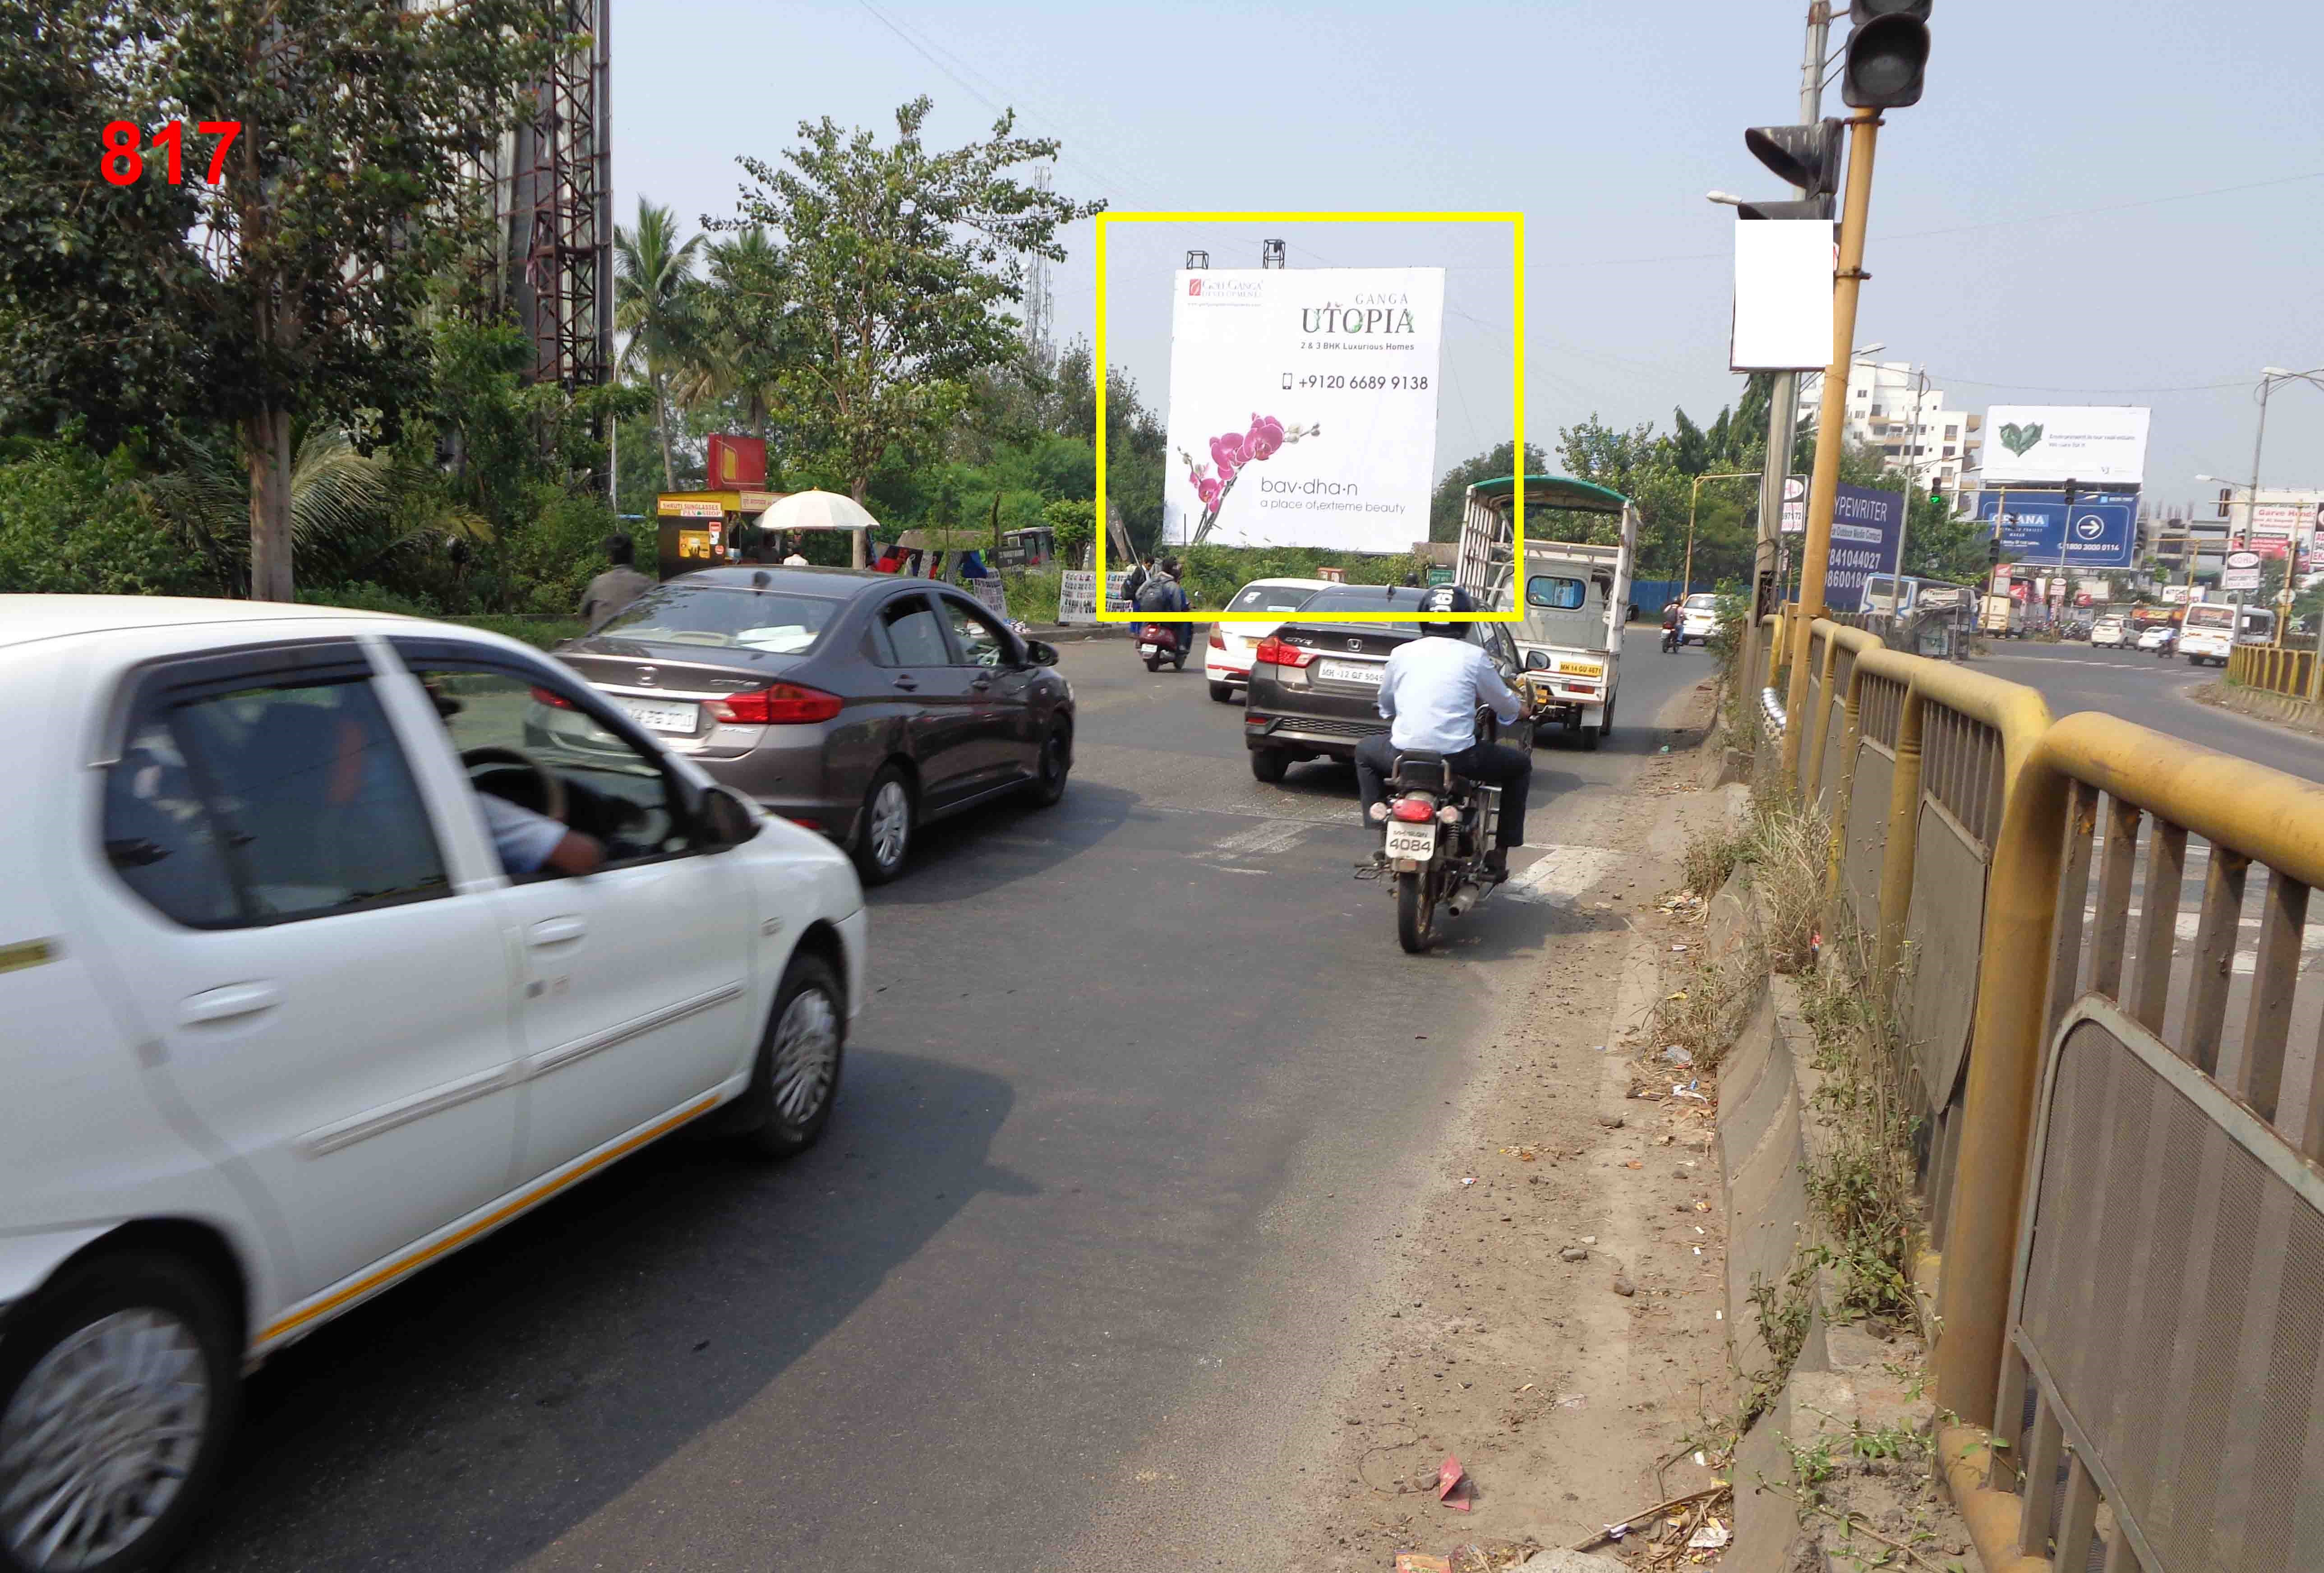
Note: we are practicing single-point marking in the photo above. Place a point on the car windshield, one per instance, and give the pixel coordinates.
(1270, 598)
(1345, 598)
(702, 614)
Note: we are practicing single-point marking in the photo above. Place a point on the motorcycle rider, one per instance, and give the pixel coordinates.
(1429, 693)
(1164, 593)
(1672, 615)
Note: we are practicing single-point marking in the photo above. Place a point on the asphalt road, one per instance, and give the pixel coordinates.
(1141, 1076)
(2154, 693)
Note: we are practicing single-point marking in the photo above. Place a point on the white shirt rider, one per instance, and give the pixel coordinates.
(1430, 692)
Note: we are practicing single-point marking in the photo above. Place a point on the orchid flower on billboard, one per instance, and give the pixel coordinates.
(1232, 451)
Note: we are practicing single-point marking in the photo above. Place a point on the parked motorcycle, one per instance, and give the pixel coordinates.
(1439, 826)
(1161, 641)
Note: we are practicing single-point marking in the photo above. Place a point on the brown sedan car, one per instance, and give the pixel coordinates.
(861, 705)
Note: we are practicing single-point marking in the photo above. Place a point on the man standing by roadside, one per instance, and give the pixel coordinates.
(617, 586)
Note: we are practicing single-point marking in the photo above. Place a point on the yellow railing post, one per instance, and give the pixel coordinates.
(1903, 841)
(1851, 739)
(1812, 769)
(2005, 1063)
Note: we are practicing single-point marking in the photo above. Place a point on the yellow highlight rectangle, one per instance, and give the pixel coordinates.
(1515, 220)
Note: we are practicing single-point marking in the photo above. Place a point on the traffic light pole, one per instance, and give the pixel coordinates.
(1783, 397)
(1848, 283)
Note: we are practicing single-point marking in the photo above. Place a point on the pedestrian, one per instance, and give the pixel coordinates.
(1131, 586)
(795, 559)
(617, 586)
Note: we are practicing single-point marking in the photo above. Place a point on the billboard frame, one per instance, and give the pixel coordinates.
(1515, 220)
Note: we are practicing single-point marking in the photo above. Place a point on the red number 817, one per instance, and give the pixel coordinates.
(121, 164)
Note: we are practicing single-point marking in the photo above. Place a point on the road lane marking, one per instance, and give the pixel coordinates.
(1561, 874)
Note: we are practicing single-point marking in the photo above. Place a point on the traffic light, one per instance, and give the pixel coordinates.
(1885, 53)
(1806, 156)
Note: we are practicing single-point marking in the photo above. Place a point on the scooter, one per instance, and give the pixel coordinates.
(1159, 642)
(1672, 637)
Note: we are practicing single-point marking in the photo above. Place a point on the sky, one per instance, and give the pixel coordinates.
(2101, 204)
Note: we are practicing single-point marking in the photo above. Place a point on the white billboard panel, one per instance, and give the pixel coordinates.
(2089, 443)
(1783, 294)
(1303, 407)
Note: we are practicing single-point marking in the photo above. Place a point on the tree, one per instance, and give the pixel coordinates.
(903, 262)
(340, 205)
(655, 300)
(1451, 497)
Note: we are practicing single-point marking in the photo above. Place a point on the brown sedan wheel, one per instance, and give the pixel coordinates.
(884, 839)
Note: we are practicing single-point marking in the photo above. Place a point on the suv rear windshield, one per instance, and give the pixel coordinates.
(702, 614)
(1270, 598)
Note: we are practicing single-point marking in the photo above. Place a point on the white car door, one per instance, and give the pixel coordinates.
(313, 989)
(635, 998)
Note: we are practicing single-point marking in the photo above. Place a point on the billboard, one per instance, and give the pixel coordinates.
(1783, 294)
(2065, 442)
(1303, 407)
(2104, 529)
(1866, 528)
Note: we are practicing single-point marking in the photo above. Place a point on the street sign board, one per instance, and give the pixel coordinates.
(2241, 571)
(1865, 528)
(1795, 504)
(2103, 532)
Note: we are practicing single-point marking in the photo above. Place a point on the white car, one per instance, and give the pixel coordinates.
(277, 1030)
(2108, 633)
(2162, 639)
(1698, 619)
(1227, 664)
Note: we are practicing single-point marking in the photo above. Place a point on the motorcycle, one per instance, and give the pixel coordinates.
(1159, 642)
(1439, 826)
(1672, 637)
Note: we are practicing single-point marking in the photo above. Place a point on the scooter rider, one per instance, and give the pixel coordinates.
(1429, 693)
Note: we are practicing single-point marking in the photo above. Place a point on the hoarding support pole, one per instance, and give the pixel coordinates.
(1848, 283)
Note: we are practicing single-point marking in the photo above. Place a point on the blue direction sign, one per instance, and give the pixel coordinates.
(2102, 532)
(1866, 527)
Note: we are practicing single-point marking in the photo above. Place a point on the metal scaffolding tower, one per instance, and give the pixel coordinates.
(552, 194)
(1039, 347)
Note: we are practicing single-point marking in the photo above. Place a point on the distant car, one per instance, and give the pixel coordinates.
(293, 1004)
(1698, 619)
(2108, 633)
(1314, 684)
(860, 704)
(2161, 639)
(1234, 636)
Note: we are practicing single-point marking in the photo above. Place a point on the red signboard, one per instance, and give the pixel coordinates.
(736, 462)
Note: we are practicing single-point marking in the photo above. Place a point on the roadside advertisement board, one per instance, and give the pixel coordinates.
(2241, 571)
(2103, 443)
(1796, 505)
(2104, 529)
(1865, 528)
(1303, 407)
(990, 591)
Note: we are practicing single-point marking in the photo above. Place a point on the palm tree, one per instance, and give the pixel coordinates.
(654, 301)
(743, 336)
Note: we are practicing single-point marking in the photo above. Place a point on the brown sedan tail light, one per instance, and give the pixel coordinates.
(776, 704)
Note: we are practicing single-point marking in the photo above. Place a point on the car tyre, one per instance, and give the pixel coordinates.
(1268, 765)
(890, 815)
(795, 1079)
(1222, 692)
(1055, 764)
(146, 1348)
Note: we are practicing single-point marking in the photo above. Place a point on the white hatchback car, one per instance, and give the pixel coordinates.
(1227, 663)
(277, 1028)
(1698, 618)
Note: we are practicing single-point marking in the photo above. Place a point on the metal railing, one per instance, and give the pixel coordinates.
(2287, 672)
(2125, 1099)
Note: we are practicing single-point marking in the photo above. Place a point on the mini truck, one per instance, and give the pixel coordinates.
(1577, 592)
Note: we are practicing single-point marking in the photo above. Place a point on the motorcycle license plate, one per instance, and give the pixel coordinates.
(1417, 841)
(1147, 650)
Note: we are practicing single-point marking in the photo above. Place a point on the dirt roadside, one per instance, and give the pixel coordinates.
(1557, 1315)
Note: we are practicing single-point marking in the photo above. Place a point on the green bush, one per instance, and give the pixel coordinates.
(72, 523)
(362, 596)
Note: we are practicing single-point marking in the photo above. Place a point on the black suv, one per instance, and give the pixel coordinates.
(1314, 684)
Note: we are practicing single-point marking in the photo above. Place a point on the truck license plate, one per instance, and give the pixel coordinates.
(662, 717)
(1351, 672)
(1417, 841)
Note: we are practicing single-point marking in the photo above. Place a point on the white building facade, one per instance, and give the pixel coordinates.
(1892, 409)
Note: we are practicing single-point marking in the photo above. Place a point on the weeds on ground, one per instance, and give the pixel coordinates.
(1862, 1189)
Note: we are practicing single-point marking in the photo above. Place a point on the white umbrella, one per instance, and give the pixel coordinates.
(817, 511)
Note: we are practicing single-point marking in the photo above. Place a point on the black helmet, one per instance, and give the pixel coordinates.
(1443, 599)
